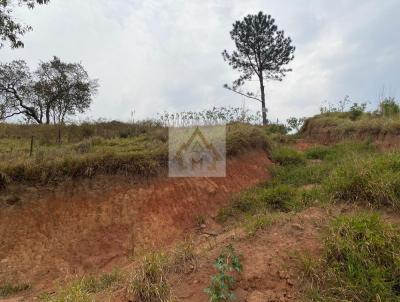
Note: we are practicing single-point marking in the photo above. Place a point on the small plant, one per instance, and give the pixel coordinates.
(254, 223)
(184, 257)
(222, 283)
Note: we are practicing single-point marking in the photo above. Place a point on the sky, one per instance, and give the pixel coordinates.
(165, 55)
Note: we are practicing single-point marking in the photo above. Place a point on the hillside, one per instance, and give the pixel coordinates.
(318, 223)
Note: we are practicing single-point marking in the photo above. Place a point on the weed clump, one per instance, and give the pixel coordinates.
(287, 156)
(9, 289)
(149, 281)
(81, 290)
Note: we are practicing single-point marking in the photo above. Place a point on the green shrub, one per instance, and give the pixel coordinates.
(389, 107)
(356, 110)
(276, 129)
(361, 261)
(287, 156)
(242, 137)
(280, 197)
(318, 152)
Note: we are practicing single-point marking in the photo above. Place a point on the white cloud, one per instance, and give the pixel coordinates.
(161, 55)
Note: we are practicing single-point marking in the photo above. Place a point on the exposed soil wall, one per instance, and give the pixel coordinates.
(97, 224)
(329, 134)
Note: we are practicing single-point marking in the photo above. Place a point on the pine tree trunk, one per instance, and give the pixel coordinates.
(264, 109)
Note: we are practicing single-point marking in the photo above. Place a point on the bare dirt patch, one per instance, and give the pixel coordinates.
(89, 227)
(271, 269)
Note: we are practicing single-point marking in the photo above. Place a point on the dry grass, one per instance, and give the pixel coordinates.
(338, 125)
(103, 148)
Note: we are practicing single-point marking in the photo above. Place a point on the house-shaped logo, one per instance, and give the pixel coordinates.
(196, 155)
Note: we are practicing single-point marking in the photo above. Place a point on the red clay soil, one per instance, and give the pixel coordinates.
(91, 227)
(271, 270)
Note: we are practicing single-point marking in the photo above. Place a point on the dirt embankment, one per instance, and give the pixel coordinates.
(327, 131)
(96, 225)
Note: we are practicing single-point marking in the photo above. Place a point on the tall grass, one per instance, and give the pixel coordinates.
(371, 179)
(142, 153)
(361, 261)
(149, 281)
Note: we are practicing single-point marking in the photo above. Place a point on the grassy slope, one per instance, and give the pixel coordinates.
(335, 126)
(105, 148)
(360, 261)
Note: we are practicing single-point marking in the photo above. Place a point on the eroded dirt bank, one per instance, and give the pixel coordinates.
(95, 227)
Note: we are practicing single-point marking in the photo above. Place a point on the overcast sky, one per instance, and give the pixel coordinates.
(165, 55)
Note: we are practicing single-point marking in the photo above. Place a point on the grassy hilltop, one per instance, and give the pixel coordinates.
(63, 152)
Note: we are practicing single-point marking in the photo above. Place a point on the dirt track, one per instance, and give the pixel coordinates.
(95, 227)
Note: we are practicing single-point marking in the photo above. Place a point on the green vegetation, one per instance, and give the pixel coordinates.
(102, 148)
(361, 261)
(149, 281)
(389, 107)
(222, 283)
(259, 221)
(81, 290)
(335, 124)
(184, 259)
(287, 156)
(9, 289)
(371, 179)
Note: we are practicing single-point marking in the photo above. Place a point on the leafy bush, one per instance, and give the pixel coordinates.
(277, 129)
(361, 261)
(356, 110)
(221, 285)
(287, 156)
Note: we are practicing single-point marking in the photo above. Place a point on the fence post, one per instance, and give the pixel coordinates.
(31, 151)
(59, 135)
